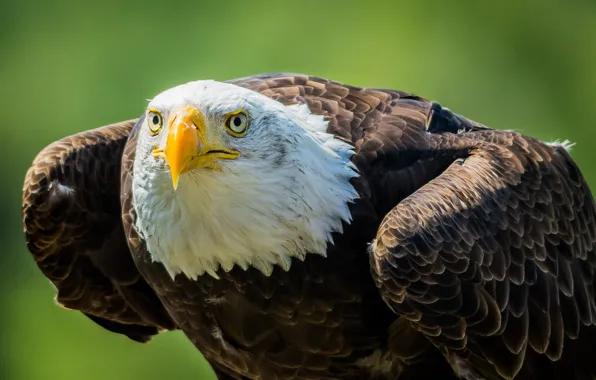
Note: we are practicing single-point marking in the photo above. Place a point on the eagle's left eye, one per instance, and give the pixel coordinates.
(237, 123)
(154, 121)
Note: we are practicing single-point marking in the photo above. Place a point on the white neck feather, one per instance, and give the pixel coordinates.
(253, 213)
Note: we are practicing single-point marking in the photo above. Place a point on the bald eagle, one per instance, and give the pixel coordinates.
(297, 228)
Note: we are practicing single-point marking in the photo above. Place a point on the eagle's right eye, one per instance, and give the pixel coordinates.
(154, 121)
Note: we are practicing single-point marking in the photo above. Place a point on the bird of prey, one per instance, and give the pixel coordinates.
(295, 227)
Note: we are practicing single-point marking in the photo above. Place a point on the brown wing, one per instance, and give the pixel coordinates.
(493, 260)
(73, 228)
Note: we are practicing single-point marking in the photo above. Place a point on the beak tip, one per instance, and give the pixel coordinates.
(175, 182)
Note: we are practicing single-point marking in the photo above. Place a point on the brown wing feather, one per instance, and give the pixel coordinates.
(74, 231)
(494, 259)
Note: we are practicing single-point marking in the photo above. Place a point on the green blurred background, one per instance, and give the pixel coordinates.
(66, 66)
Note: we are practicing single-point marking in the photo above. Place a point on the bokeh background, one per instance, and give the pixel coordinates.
(67, 65)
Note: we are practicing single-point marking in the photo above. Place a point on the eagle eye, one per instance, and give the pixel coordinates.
(237, 123)
(154, 121)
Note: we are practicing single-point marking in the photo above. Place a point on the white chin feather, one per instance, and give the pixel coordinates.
(255, 212)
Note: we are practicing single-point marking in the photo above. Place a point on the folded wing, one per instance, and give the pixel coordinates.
(494, 259)
(73, 228)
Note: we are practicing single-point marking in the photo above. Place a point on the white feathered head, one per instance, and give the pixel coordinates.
(226, 176)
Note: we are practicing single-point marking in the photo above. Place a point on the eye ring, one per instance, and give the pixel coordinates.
(154, 121)
(237, 123)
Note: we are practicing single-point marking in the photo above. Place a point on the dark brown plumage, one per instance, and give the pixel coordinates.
(482, 255)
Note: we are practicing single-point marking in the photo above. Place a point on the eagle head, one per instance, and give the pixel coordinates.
(226, 176)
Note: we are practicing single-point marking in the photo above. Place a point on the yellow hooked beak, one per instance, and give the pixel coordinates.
(190, 145)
